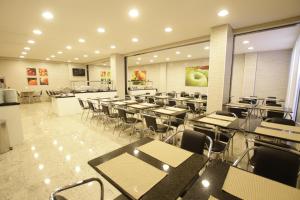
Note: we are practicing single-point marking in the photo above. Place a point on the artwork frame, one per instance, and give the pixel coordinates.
(44, 80)
(32, 81)
(139, 77)
(43, 71)
(31, 71)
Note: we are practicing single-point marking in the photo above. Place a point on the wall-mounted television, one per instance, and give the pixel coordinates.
(78, 72)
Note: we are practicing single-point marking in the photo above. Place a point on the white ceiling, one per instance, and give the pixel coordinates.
(77, 18)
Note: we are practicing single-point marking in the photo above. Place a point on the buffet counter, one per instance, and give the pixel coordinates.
(10, 113)
(63, 105)
(136, 92)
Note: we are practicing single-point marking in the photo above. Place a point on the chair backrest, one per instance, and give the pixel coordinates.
(225, 113)
(160, 103)
(273, 114)
(209, 133)
(147, 93)
(150, 100)
(105, 109)
(289, 122)
(204, 96)
(172, 103)
(271, 100)
(122, 114)
(196, 95)
(171, 94)
(81, 103)
(127, 97)
(91, 105)
(277, 165)
(193, 141)
(237, 111)
(182, 94)
(191, 106)
(150, 122)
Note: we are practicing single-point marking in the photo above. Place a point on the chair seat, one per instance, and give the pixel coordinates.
(175, 123)
(113, 115)
(161, 128)
(132, 120)
(59, 197)
(218, 146)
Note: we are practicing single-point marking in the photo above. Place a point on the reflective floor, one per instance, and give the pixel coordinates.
(55, 153)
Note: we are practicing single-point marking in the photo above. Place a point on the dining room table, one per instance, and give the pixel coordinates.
(149, 169)
(222, 181)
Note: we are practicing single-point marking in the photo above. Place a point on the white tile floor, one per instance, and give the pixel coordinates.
(55, 153)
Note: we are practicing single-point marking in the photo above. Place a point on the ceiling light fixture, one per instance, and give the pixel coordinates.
(101, 30)
(206, 48)
(134, 39)
(85, 55)
(37, 32)
(76, 58)
(31, 41)
(27, 48)
(21, 56)
(68, 47)
(81, 40)
(96, 51)
(52, 56)
(189, 55)
(178, 52)
(168, 29)
(167, 59)
(155, 56)
(137, 63)
(69, 61)
(223, 13)
(24, 53)
(60, 52)
(250, 48)
(47, 15)
(133, 13)
(151, 61)
(112, 46)
(47, 58)
(246, 42)
(139, 58)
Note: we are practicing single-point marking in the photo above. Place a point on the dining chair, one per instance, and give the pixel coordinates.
(37, 96)
(275, 163)
(171, 103)
(192, 108)
(55, 195)
(83, 106)
(127, 121)
(276, 120)
(94, 110)
(192, 141)
(109, 117)
(154, 127)
(177, 121)
(151, 100)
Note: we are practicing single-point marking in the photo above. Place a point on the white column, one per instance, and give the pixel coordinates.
(163, 78)
(117, 65)
(220, 59)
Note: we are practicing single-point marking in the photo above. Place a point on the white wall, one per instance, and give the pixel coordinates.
(261, 74)
(59, 74)
(170, 76)
(95, 71)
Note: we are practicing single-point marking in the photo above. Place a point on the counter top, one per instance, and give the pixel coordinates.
(77, 92)
(141, 89)
(10, 104)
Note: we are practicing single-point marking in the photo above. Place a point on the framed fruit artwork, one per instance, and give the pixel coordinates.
(31, 71)
(44, 81)
(196, 76)
(32, 81)
(138, 77)
(43, 72)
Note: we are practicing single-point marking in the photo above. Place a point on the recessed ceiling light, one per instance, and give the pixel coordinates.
(31, 41)
(27, 48)
(47, 15)
(189, 55)
(178, 52)
(206, 48)
(69, 61)
(69, 47)
(168, 29)
(151, 61)
(47, 181)
(223, 13)
(246, 42)
(47, 58)
(155, 56)
(112, 46)
(134, 39)
(76, 58)
(137, 63)
(24, 53)
(104, 64)
(37, 32)
(101, 30)
(85, 55)
(133, 13)
(139, 58)
(250, 48)
(21, 56)
(81, 40)
(96, 51)
(167, 59)
(52, 56)
(60, 52)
